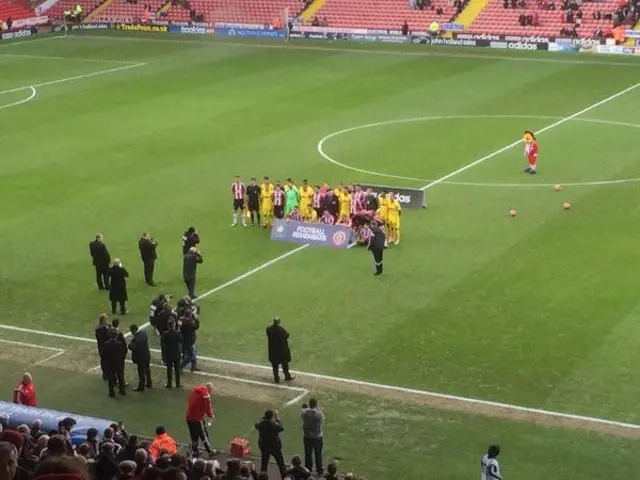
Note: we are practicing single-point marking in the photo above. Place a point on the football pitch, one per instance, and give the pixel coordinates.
(521, 331)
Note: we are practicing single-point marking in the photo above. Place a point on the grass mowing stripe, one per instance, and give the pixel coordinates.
(432, 399)
(430, 53)
(73, 59)
(542, 130)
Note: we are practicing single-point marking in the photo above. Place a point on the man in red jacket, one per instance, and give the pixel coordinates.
(199, 407)
(25, 392)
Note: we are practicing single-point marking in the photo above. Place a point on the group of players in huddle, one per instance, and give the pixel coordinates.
(348, 205)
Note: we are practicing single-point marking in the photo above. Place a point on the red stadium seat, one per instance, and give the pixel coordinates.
(14, 10)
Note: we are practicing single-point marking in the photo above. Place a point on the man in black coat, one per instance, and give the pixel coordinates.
(279, 352)
(115, 325)
(147, 246)
(102, 337)
(141, 356)
(189, 324)
(118, 290)
(114, 353)
(172, 346)
(101, 260)
(189, 267)
(269, 429)
(190, 238)
(331, 203)
(376, 246)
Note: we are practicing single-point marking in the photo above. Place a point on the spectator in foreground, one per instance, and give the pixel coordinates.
(25, 392)
(269, 429)
(297, 471)
(332, 471)
(8, 460)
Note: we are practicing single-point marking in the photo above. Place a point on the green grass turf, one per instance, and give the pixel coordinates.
(539, 310)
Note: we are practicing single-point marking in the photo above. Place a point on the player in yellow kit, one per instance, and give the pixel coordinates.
(394, 210)
(311, 215)
(306, 198)
(266, 202)
(383, 211)
(345, 207)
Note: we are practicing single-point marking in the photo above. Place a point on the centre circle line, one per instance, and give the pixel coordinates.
(323, 154)
(20, 102)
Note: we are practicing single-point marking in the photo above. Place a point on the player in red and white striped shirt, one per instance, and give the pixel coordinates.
(316, 201)
(238, 190)
(357, 201)
(295, 214)
(327, 218)
(279, 199)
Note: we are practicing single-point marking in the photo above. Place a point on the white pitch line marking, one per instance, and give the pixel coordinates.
(326, 156)
(77, 59)
(31, 345)
(297, 399)
(20, 102)
(518, 142)
(49, 358)
(77, 77)
(430, 53)
(35, 40)
(350, 381)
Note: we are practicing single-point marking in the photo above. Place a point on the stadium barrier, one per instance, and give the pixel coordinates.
(318, 234)
(14, 415)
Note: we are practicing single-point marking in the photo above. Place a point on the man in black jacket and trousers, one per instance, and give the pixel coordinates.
(141, 356)
(172, 347)
(190, 238)
(376, 246)
(101, 260)
(118, 290)
(189, 267)
(269, 429)
(114, 354)
(189, 324)
(279, 351)
(147, 246)
(103, 332)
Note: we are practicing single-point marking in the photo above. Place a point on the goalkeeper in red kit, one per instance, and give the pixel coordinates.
(199, 407)
(530, 151)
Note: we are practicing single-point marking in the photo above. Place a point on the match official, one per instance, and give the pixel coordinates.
(376, 246)
(189, 267)
(147, 246)
(101, 260)
(253, 203)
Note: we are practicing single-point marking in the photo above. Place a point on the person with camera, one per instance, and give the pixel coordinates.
(155, 310)
(147, 246)
(269, 428)
(189, 324)
(118, 289)
(190, 238)
(189, 268)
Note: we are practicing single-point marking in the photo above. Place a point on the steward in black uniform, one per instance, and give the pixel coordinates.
(190, 238)
(147, 246)
(172, 346)
(101, 260)
(102, 337)
(376, 246)
(115, 353)
(189, 266)
(253, 196)
(279, 351)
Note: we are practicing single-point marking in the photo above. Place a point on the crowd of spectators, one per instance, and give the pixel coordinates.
(29, 453)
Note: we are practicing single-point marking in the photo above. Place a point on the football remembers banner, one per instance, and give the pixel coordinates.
(336, 236)
(408, 197)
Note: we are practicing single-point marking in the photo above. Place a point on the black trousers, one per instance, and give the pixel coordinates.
(103, 367)
(191, 286)
(198, 433)
(123, 306)
(276, 453)
(276, 370)
(149, 266)
(173, 366)
(144, 375)
(116, 375)
(102, 277)
(377, 259)
(313, 448)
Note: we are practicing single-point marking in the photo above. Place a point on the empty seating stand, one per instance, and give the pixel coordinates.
(237, 11)
(15, 11)
(383, 14)
(121, 11)
(499, 20)
(57, 11)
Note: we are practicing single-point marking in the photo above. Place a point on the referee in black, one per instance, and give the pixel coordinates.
(376, 246)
